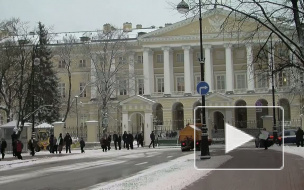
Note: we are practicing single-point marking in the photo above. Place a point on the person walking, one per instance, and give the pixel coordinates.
(130, 140)
(60, 143)
(68, 141)
(124, 138)
(51, 146)
(19, 147)
(140, 139)
(109, 139)
(31, 146)
(82, 145)
(299, 137)
(115, 139)
(119, 141)
(152, 137)
(14, 141)
(55, 147)
(3, 147)
(103, 143)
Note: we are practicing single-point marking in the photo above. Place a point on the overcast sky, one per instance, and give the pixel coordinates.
(87, 15)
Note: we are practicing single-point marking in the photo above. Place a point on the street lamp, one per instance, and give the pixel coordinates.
(275, 131)
(76, 116)
(35, 62)
(183, 8)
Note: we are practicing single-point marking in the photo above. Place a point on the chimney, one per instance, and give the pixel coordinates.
(127, 27)
(168, 24)
(107, 28)
(138, 26)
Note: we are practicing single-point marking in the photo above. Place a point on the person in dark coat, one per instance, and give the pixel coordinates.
(103, 143)
(82, 145)
(140, 139)
(130, 140)
(14, 140)
(51, 142)
(124, 138)
(19, 147)
(60, 143)
(152, 137)
(31, 146)
(3, 147)
(115, 139)
(119, 141)
(109, 139)
(55, 147)
(68, 141)
(299, 137)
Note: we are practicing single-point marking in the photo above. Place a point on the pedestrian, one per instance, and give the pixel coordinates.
(51, 144)
(115, 139)
(130, 140)
(60, 143)
(55, 147)
(14, 141)
(19, 147)
(152, 137)
(82, 145)
(124, 138)
(119, 141)
(299, 137)
(3, 147)
(103, 143)
(140, 140)
(68, 141)
(31, 146)
(109, 139)
(136, 138)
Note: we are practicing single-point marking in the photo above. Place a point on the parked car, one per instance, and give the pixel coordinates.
(289, 136)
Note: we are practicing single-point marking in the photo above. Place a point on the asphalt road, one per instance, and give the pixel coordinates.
(291, 177)
(90, 171)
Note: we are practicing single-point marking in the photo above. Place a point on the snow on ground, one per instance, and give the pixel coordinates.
(290, 149)
(97, 153)
(175, 174)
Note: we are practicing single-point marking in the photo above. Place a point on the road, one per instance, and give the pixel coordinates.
(291, 177)
(82, 173)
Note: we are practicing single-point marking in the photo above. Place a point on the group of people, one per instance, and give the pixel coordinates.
(57, 144)
(127, 139)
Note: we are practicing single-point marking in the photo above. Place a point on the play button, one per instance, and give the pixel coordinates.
(235, 138)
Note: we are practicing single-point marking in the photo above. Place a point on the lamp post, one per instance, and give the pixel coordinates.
(35, 62)
(183, 8)
(76, 116)
(275, 131)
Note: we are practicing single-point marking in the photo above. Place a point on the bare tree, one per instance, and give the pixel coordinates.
(110, 74)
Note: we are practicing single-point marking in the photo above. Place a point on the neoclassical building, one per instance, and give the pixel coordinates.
(165, 64)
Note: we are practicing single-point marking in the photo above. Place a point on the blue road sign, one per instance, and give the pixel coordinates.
(202, 88)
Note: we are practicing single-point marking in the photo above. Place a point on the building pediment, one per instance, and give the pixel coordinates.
(217, 99)
(212, 21)
(137, 100)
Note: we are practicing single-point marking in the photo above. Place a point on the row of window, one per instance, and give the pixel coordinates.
(219, 85)
(81, 63)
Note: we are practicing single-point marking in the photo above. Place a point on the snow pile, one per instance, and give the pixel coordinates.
(290, 149)
(175, 174)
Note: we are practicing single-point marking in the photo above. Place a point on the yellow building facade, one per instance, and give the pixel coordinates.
(162, 94)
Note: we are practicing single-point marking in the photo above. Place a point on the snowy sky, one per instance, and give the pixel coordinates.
(80, 15)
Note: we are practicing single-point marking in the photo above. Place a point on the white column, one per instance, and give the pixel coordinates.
(131, 75)
(148, 127)
(168, 71)
(208, 66)
(188, 70)
(112, 69)
(93, 79)
(125, 122)
(250, 71)
(271, 63)
(229, 68)
(148, 71)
